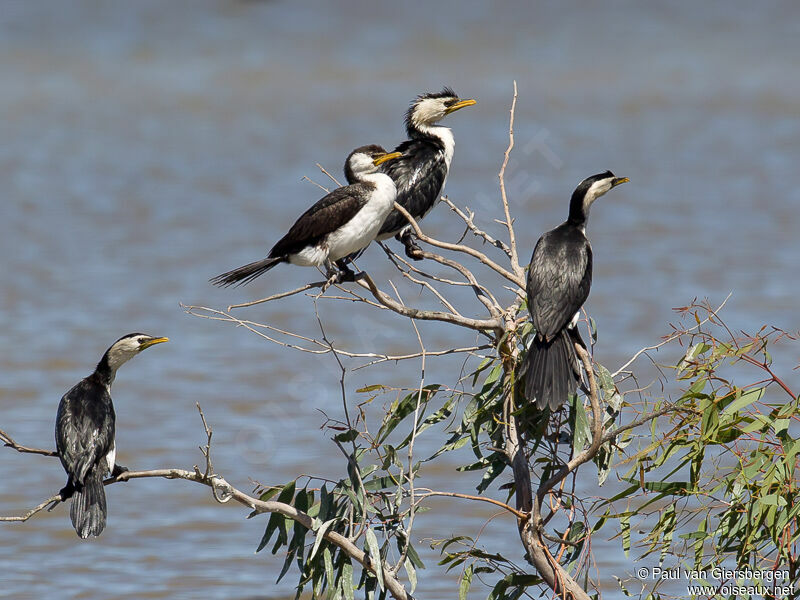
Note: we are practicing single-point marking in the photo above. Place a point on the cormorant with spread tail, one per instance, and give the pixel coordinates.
(559, 279)
(85, 427)
(342, 223)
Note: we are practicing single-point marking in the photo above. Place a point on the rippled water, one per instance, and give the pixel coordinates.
(147, 146)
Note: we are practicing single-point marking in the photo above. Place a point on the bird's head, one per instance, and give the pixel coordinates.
(128, 346)
(365, 160)
(428, 109)
(589, 190)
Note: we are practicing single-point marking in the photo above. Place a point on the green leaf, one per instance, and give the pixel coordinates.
(275, 519)
(773, 500)
(381, 483)
(415, 559)
(329, 573)
(625, 525)
(401, 409)
(371, 388)
(581, 432)
(272, 525)
(466, 582)
(348, 436)
(745, 399)
(375, 556)
(347, 579)
(269, 493)
(411, 572)
(320, 537)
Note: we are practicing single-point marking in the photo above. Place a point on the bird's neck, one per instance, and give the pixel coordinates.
(105, 372)
(381, 182)
(421, 131)
(579, 212)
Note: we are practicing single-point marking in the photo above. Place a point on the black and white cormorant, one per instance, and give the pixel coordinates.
(421, 172)
(342, 223)
(559, 279)
(85, 435)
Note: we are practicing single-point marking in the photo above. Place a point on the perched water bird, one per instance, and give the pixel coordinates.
(559, 279)
(85, 435)
(421, 172)
(343, 222)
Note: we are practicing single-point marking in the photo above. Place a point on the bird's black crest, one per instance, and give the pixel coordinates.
(447, 92)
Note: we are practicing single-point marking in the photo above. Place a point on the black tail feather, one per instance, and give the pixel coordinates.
(88, 510)
(247, 273)
(552, 371)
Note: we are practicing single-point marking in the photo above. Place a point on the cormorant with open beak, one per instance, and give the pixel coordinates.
(85, 427)
(421, 172)
(559, 279)
(342, 223)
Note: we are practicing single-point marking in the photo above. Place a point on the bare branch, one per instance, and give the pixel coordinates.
(480, 256)
(50, 502)
(509, 223)
(331, 177)
(257, 506)
(589, 453)
(308, 286)
(503, 505)
(9, 442)
(481, 325)
(468, 220)
(672, 337)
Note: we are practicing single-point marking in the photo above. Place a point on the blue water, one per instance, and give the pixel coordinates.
(145, 147)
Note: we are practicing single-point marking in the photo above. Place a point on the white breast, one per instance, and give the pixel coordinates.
(357, 233)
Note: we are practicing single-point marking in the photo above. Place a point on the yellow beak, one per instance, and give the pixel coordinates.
(386, 157)
(619, 180)
(459, 105)
(152, 342)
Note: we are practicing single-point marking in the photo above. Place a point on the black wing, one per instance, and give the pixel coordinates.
(419, 176)
(559, 279)
(85, 428)
(324, 217)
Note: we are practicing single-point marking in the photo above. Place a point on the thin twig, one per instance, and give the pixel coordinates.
(9, 442)
(303, 288)
(468, 220)
(516, 279)
(509, 223)
(512, 510)
(481, 325)
(672, 337)
(410, 477)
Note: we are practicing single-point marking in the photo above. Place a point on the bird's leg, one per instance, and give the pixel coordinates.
(118, 470)
(67, 491)
(332, 274)
(413, 250)
(346, 273)
(575, 337)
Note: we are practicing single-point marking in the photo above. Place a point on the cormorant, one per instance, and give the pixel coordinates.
(342, 223)
(85, 435)
(559, 279)
(421, 172)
